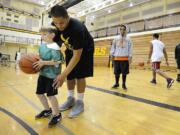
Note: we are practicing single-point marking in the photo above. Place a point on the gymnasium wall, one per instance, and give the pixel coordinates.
(141, 45)
(11, 48)
(148, 10)
(20, 15)
(140, 48)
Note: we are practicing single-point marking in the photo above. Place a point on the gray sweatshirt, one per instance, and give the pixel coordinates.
(121, 46)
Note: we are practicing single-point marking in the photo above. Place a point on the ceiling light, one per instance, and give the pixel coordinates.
(42, 2)
(109, 11)
(131, 4)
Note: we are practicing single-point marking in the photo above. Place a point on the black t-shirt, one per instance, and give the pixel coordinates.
(177, 52)
(75, 36)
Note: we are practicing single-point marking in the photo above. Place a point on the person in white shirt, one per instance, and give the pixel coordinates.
(156, 54)
(17, 59)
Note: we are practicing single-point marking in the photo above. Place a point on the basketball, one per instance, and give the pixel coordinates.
(141, 64)
(26, 63)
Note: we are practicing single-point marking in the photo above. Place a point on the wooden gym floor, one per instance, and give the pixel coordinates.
(144, 109)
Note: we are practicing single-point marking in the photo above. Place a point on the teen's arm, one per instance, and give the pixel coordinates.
(166, 56)
(150, 53)
(73, 62)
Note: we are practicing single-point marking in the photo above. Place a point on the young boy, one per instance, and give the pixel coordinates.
(50, 66)
(156, 53)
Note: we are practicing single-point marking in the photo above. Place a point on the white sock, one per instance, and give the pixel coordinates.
(70, 93)
(80, 96)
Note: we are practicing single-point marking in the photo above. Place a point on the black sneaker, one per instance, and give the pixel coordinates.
(54, 120)
(169, 82)
(124, 87)
(178, 79)
(153, 81)
(115, 86)
(44, 114)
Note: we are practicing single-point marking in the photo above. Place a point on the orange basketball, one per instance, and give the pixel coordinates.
(26, 63)
(141, 64)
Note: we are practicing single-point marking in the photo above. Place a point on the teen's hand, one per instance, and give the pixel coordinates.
(58, 82)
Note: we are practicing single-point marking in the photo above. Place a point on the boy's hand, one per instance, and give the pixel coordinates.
(38, 65)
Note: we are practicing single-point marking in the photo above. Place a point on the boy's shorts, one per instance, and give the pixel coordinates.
(44, 85)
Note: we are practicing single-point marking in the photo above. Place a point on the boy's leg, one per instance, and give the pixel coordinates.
(70, 99)
(54, 103)
(79, 105)
(47, 110)
(56, 117)
(43, 101)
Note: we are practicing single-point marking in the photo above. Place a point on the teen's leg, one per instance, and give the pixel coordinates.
(70, 99)
(79, 104)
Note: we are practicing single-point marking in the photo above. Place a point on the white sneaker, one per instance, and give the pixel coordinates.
(70, 102)
(77, 109)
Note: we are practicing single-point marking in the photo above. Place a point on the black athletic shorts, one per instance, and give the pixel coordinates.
(44, 85)
(121, 67)
(178, 63)
(84, 68)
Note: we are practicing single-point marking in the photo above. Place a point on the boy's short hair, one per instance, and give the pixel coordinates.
(48, 29)
(122, 25)
(156, 35)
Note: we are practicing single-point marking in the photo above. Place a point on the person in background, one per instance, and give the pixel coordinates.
(156, 53)
(177, 57)
(17, 59)
(121, 51)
